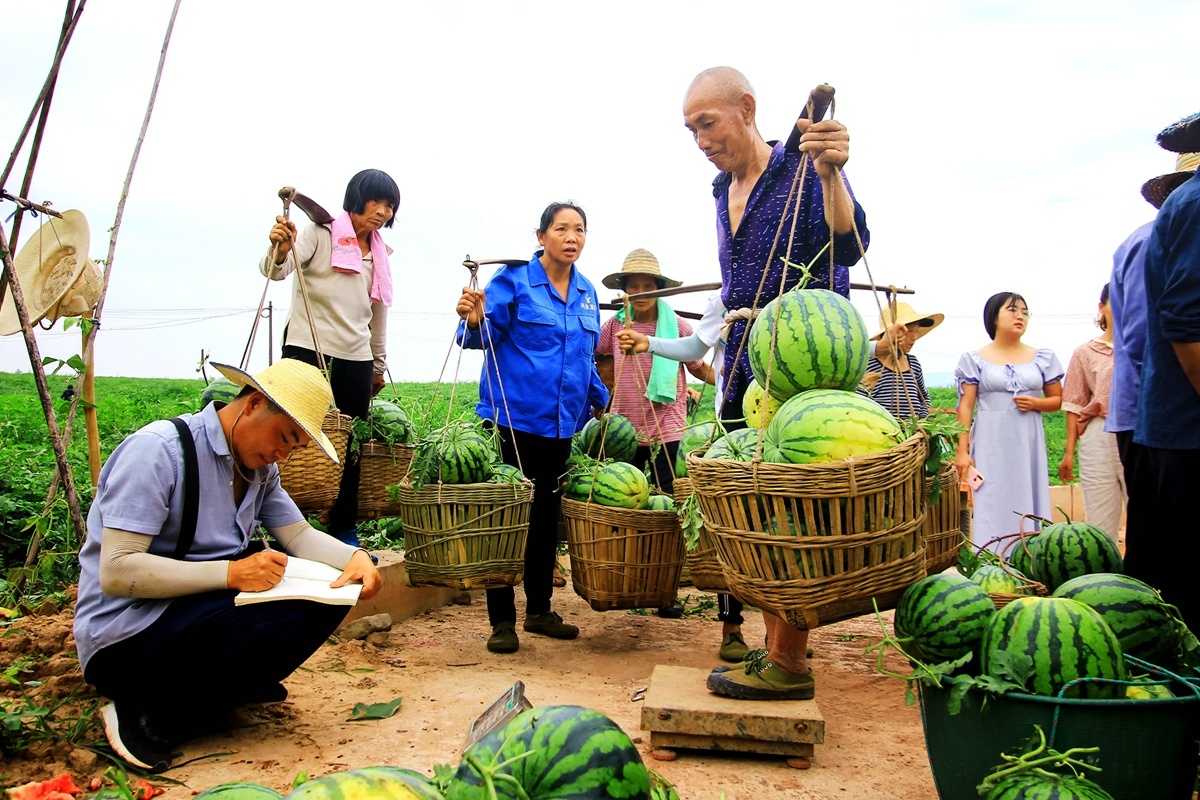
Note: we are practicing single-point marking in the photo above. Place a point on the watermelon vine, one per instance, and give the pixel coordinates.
(1032, 769)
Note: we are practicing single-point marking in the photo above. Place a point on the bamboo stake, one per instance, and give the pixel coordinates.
(87, 390)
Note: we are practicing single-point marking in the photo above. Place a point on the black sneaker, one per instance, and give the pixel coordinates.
(134, 742)
(504, 638)
(550, 624)
(673, 611)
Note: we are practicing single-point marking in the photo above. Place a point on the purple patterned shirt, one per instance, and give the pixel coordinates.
(744, 255)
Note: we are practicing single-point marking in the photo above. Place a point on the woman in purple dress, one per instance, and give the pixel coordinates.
(1005, 387)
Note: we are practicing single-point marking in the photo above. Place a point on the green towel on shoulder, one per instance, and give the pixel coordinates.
(664, 372)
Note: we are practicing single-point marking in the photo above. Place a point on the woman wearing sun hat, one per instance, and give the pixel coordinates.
(895, 379)
(651, 391)
(172, 537)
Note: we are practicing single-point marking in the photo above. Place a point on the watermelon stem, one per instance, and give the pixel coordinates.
(1032, 761)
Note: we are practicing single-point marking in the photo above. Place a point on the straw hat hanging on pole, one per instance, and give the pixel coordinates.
(59, 280)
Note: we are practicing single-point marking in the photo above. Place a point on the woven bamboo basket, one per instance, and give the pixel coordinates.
(383, 465)
(622, 557)
(943, 522)
(465, 536)
(816, 543)
(309, 477)
(702, 562)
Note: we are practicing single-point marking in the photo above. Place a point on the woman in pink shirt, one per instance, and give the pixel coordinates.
(1085, 399)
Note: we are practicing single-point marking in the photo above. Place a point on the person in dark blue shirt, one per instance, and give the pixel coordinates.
(1168, 419)
(538, 324)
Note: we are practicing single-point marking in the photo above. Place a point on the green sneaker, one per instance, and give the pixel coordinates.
(733, 648)
(552, 625)
(808, 653)
(766, 683)
(504, 638)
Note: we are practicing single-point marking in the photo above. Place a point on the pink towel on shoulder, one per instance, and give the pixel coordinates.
(347, 257)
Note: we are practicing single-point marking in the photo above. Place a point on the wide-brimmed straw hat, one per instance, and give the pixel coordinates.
(1156, 190)
(1181, 137)
(906, 315)
(56, 275)
(297, 389)
(639, 262)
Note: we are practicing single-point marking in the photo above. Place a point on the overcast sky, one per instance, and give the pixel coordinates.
(995, 146)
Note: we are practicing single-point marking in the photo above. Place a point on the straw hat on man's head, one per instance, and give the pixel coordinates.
(57, 278)
(907, 315)
(1156, 190)
(297, 389)
(639, 262)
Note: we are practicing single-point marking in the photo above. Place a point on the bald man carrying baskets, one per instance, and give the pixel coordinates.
(754, 221)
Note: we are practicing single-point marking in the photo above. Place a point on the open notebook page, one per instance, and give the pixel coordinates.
(305, 580)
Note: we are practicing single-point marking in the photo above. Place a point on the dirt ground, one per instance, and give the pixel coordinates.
(438, 663)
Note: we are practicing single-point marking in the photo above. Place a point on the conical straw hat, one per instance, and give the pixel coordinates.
(639, 262)
(298, 389)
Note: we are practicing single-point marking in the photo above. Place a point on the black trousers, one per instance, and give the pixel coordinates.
(351, 383)
(1160, 531)
(543, 460)
(662, 466)
(204, 656)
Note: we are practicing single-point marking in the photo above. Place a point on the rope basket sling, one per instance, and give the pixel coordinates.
(308, 476)
(471, 535)
(623, 558)
(943, 522)
(702, 563)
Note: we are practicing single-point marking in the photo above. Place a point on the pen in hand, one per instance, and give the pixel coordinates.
(263, 538)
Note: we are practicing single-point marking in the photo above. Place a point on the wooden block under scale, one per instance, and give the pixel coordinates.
(680, 712)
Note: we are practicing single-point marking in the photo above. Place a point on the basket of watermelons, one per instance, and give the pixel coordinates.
(466, 513)
(1098, 663)
(385, 457)
(308, 476)
(625, 545)
(821, 509)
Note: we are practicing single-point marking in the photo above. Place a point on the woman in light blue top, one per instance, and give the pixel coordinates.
(1006, 386)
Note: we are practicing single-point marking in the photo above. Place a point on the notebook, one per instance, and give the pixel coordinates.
(305, 580)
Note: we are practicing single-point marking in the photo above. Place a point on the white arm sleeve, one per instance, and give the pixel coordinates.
(689, 348)
(128, 570)
(304, 541)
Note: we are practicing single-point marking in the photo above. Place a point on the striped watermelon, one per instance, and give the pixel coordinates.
(219, 389)
(659, 502)
(1066, 640)
(1067, 550)
(943, 617)
(620, 438)
(617, 484)
(388, 422)
(1147, 627)
(693, 437)
(554, 752)
(829, 425)
(739, 445)
(369, 782)
(462, 454)
(821, 343)
(240, 790)
(995, 580)
(1020, 556)
(506, 473)
(758, 406)
(1046, 786)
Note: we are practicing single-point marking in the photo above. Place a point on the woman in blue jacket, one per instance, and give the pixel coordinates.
(539, 324)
